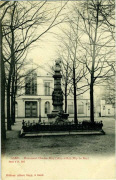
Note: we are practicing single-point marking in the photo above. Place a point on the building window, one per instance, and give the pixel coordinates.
(31, 84)
(108, 111)
(30, 109)
(47, 107)
(103, 107)
(47, 88)
(81, 108)
(70, 109)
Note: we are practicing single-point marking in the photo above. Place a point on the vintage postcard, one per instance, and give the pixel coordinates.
(57, 89)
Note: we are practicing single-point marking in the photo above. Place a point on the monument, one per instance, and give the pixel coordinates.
(57, 114)
(58, 123)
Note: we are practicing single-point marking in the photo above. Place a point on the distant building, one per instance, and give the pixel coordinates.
(34, 99)
(103, 107)
(106, 109)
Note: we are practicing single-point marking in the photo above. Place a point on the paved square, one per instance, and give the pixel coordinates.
(63, 145)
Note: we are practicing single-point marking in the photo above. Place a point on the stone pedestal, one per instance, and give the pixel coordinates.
(57, 96)
(53, 116)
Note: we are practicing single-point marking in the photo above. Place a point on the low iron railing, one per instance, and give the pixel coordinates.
(68, 126)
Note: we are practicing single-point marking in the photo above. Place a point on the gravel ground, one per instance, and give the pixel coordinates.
(62, 145)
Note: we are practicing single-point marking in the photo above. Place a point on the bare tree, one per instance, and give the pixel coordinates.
(66, 72)
(20, 32)
(91, 45)
(109, 92)
(74, 70)
(2, 75)
(3, 131)
(97, 45)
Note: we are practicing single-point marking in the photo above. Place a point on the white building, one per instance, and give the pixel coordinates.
(106, 109)
(34, 100)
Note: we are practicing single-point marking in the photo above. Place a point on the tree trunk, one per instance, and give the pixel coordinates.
(11, 74)
(8, 108)
(12, 102)
(3, 130)
(75, 98)
(13, 96)
(91, 100)
(92, 71)
(66, 97)
(14, 108)
(14, 92)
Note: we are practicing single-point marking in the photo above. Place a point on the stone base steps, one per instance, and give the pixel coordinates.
(60, 133)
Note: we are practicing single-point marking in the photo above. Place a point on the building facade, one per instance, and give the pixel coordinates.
(34, 100)
(107, 109)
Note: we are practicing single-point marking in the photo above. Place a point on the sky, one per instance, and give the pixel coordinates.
(45, 50)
